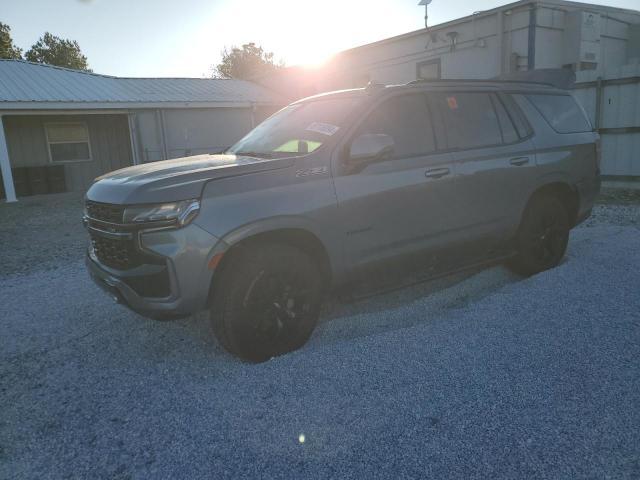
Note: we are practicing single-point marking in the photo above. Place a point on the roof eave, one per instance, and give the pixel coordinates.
(36, 105)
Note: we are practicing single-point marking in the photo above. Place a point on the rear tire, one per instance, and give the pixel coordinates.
(542, 237)
(267, 302)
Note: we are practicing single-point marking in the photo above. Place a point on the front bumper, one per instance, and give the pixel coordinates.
(121, 292)
(183, 256)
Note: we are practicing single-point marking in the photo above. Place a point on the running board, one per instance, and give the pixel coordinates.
(352, 297)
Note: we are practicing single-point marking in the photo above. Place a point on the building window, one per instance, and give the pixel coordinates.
(68, 142)
(429, 70)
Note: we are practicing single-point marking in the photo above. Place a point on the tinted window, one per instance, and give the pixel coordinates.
(519, 120)
(406, 119)
(469, 118)
(509, 134)
(561, 112)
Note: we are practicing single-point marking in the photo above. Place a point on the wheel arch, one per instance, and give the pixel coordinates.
(296, 236)
(562, 190)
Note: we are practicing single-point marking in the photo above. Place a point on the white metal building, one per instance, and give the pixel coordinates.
(61, 128)
(597, 42)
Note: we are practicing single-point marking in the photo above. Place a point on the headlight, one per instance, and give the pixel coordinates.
(175, 213)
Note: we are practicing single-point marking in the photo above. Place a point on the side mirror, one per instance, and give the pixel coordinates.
(371, 147)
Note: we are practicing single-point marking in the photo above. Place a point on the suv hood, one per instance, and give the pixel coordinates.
(173, 180)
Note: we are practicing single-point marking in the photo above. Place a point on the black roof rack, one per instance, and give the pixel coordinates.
(474, 80)
(557, 78)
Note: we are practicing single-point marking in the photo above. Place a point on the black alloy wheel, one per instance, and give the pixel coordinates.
(542, 237)
(268, 303)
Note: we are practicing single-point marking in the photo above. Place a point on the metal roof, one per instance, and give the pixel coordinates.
(34, 85)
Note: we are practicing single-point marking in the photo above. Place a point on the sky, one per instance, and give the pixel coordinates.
(184, 38)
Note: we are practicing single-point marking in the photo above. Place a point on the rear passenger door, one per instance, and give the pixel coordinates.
(494, 160)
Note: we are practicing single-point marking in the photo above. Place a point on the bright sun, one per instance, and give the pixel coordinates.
(298, 32)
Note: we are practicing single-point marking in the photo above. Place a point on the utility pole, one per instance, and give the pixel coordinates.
(426, 11)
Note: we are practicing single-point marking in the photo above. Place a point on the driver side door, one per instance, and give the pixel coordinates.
(402, 203)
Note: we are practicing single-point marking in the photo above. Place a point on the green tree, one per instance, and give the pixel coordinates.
(245, 63)
(56, 51)
(7, 48)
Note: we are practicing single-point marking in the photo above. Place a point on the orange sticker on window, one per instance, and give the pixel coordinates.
(453, 103)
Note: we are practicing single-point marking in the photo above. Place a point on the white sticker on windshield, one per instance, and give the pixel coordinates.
(323, 128)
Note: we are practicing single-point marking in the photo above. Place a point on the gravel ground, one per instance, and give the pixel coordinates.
(490, 376)
(44, 231)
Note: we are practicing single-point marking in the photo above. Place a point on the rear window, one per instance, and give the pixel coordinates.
(562, 112)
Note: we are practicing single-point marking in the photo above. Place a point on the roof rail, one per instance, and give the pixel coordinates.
(474, 80)
(551, 77)
(556, 77)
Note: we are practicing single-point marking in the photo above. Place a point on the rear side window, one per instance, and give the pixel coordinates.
(406, 119)
(561, 112)
(509, 134)
(519, 120)
(469, 118)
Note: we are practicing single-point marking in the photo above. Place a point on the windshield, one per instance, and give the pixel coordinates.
(296, 129)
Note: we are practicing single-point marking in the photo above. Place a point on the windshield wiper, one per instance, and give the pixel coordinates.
(256, 154)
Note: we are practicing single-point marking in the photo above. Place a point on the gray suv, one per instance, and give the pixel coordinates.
(342, 188)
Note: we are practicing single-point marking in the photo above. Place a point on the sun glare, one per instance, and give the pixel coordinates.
(299, 33)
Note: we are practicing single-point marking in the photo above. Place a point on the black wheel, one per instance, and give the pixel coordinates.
(542, 237)
(267, 302)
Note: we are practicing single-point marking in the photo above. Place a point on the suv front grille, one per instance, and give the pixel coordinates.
(105, 212)
(115, 246)
(115, 253)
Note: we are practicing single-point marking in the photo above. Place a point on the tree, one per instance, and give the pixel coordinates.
(7, 48)
(245, 63)
(59, 52)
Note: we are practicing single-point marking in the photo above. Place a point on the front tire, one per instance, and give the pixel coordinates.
(542, 237)
(267, 302)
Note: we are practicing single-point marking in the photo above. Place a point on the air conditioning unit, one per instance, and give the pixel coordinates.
(582, 39)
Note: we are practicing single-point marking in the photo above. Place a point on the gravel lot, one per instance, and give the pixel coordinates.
(483, 376)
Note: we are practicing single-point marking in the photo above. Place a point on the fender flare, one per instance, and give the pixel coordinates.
(335, 261)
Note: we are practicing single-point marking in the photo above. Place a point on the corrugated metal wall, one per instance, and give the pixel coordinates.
(192, 131)
(108, 135)
(619, 122)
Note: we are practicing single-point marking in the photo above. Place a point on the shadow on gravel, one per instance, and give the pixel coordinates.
(343, 320)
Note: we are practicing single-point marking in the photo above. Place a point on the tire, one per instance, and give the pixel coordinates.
(543, 235)
(267, 302)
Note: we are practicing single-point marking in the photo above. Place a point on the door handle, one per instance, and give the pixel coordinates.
(519, 161)
(436, 172)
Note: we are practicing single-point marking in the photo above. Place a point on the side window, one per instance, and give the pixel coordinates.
(406, 119)
(561, 112)
(469, 118)
(509, 134)
(519, 120)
